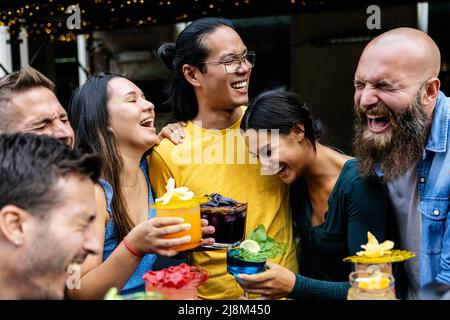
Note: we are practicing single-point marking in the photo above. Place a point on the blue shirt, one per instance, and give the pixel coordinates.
(135, 283)
(434, 196)
(434, 193)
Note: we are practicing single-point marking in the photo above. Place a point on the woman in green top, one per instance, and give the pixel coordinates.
(333, 206)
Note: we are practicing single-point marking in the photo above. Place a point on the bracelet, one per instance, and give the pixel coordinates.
(134, 252)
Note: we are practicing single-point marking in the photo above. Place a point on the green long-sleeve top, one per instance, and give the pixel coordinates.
(356, 205)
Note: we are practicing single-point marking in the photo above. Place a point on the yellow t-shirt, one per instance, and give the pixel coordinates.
(218, 161)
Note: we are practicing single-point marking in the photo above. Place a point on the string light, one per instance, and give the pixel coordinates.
(51, 16)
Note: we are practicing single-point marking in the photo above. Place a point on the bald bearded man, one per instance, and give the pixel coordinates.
(402, 134)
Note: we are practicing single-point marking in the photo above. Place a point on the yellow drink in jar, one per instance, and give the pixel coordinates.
(371, 286)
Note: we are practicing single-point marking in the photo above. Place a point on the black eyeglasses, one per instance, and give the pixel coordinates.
(232, 65)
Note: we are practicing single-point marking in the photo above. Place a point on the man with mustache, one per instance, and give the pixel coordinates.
(47, 207)
(402, 134)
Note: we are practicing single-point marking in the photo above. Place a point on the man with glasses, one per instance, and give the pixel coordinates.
(403, 134)
(233, 63)
(211, 69)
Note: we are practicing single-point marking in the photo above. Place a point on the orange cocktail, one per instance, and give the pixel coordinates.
(181, 202)
(190, 215)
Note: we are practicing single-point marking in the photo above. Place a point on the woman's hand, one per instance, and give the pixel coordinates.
(174, 132)
(205, 231)
(147, 237)
(274, 283)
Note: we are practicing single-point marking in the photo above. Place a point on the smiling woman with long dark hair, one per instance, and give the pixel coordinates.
(112, 118)
(333, 206)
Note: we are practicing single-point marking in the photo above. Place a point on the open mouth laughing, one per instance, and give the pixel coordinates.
(148, 123)
(276, 170)
(240, 85)
(378, 124)
(280, 170)
(379, 118)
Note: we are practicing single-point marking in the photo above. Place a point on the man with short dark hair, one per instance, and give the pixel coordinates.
(47, 207)
(402, 134)
(28, 104)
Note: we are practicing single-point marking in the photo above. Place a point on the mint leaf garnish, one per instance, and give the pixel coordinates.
(268, 244)
(259, 234)
(269, 247)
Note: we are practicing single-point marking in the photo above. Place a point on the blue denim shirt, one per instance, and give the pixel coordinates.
(434, 193)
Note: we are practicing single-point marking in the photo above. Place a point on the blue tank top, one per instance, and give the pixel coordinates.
(135, 283)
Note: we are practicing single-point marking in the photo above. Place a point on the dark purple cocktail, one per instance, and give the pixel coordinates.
(227, 216)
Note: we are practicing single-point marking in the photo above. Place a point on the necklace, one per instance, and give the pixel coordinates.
(135, 183)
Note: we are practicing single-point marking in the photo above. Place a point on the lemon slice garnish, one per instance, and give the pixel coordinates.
(373, 249)
(177, 194)
(374, 283)
(251, 246)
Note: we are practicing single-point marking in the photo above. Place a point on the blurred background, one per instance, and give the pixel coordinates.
(311, 47)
